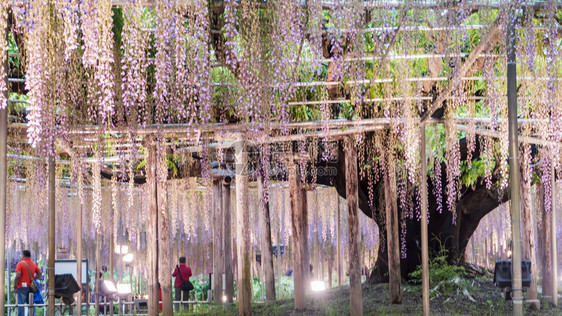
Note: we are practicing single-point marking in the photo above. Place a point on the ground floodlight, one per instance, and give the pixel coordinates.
(124, 288)
(121, 249)
(128, 258)
(317, 286)
(108, 287)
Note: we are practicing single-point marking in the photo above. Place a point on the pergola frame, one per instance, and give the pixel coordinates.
(225, 135)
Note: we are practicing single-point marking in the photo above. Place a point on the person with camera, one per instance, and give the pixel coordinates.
(26, 274)
(182, 285)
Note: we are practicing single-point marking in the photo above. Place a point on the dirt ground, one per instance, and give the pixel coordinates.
(459, 297)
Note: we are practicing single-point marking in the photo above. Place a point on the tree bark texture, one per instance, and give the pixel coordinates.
(355, 295)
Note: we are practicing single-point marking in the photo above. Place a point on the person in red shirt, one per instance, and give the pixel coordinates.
(185, 275)
(23, 279)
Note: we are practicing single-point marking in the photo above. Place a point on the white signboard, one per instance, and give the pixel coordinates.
(69, 266)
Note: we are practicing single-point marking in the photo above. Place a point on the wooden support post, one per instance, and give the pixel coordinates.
(152, 231)
(112, 255)
(52, 248)
(243, 230)
(79, 255)
(304, 230)
(279, 257)
(553, 245)
(97, 277)
(547, 275)
(330, 265)
(392, 237)
(353, 233)
(299, 236)
(338, 242)
(3, 183)
(517, 291)
(424, 236)
(528, 234)
(218, 250)
(229, 277)
(266, 247)
(164, 249)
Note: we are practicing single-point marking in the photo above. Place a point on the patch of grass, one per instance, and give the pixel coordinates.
(439, 270)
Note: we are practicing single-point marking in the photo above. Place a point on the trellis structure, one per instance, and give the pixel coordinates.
(128, 100)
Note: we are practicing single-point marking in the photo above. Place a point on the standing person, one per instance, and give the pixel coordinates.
(181, 273)
(26, 272)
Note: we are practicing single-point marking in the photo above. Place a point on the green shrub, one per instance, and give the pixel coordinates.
(439, 270)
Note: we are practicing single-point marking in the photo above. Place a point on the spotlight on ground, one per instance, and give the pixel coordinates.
(317, 286)
(124, 289)
(128, 258)
(108, 287)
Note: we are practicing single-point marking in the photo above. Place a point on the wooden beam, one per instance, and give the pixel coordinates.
(392, 236)
(243, 230)
(353, 233)
(229, 276)
(489, 38)
(266, 247)
(218, 248)
(152, 229)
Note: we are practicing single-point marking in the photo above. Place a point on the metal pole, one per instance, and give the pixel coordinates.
(424, 236)
(3, 183)
(52, 249)
(554, 243)
(79, 256)
(514, 167)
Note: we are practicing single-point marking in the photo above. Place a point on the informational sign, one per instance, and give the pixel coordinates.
(70, 266)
